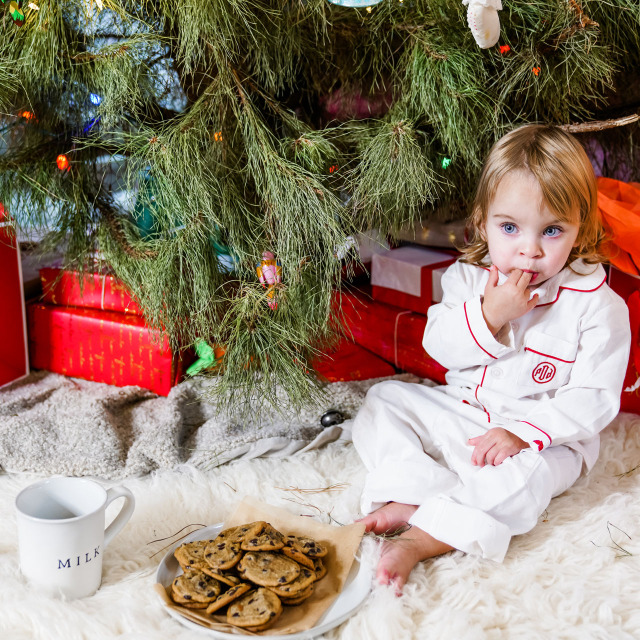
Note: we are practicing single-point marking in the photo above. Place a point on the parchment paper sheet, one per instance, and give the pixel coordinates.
(342, 542)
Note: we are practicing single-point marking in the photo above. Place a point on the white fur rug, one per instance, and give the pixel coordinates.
(565, 579)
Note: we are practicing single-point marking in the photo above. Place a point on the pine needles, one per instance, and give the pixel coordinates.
(198, 136)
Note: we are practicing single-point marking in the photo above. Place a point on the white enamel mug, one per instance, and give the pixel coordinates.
(62, 536)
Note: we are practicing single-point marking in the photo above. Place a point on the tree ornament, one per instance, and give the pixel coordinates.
(15, 11)
(144, 209)
(270, 273)
(342, 251)
(331, 418)
(208, 357)
(227, 258)
(482, 18)
(355, 3)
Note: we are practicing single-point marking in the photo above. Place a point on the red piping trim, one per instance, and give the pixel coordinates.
(544, 304)
(484, 373)
(471, 332)
(539, 429)
(546, 355)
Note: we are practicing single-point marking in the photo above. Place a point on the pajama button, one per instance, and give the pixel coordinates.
(496, 372)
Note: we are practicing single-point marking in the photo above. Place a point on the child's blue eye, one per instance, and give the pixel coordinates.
(509, 227)
(552, 232)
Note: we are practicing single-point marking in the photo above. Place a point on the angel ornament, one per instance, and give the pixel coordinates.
(270, 273)
(483, 20)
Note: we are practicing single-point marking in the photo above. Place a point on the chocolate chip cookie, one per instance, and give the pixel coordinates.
(268, 569)
(255, 610)
(195, 587)
(190, 555)
(228, 596)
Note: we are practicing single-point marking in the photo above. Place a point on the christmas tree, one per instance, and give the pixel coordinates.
(183, 142)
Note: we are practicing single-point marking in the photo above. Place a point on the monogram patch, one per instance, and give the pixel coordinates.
(544, 372)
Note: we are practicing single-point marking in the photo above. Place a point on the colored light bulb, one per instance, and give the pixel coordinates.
(63, 162)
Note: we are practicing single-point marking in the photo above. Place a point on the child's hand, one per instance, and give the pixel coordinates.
(495, 446)
(508, 301)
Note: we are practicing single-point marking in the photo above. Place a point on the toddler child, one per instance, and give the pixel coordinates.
(536, 345)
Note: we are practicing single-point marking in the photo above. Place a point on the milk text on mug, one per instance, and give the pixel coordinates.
(66, 564)
(62, 535)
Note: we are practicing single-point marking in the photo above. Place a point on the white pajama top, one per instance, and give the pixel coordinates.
(553, 376)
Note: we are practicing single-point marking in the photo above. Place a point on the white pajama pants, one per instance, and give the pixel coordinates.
(413, 441)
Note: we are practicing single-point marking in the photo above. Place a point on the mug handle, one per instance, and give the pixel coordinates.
(125, 513)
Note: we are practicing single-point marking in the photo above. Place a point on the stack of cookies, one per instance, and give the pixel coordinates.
(252, 570)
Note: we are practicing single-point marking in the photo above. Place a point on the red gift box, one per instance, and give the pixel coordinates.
(96, 291)
(403, 277)
(348, 361)
(393, 333)
(623, 283)
(104, 346)
(14, 357)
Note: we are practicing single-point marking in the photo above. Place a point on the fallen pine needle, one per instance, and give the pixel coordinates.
(340, 486)
(173, 535)
(621, 551)
(628, 473)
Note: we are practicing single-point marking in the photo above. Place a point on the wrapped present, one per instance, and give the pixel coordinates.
(627, 286)
(390, 332)
(435, 234)
(14, 355)
(348, 361)
(104, 346)
(624, 284)
(99, 290)
(403, 277)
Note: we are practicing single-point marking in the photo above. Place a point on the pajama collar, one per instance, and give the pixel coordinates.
(581, 277)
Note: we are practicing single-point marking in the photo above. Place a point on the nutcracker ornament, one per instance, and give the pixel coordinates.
(15, 11)
(270, 273)
(483, 20)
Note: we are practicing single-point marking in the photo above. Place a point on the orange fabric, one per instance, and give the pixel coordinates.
(619, 205)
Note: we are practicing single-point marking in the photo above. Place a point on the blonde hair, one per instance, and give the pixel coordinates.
(562, 169)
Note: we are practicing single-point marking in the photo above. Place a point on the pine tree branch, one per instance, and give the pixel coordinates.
(115, 226)
(582, 22)
(601, 125)
(85, 56)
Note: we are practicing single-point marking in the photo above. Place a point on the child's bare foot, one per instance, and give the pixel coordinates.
(389, 518)
(401, 554)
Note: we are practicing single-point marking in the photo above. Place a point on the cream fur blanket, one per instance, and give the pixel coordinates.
(568, 578)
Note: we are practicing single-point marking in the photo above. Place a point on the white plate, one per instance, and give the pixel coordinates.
(356, 589)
